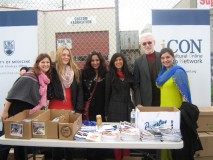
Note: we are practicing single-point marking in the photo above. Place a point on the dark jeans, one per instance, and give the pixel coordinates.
(4, 150)
(19, 151)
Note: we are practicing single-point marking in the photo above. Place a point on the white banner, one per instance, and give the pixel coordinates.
(18, 47)
(188, 35)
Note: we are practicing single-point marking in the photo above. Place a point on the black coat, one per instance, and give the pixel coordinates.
(55, 91)
(188, 126)
(118, 100)
(98, 100)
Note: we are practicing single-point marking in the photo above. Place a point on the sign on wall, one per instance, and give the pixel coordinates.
(81, 20)
(64, 42)
(187, 33)
(204, 4)
(18, 46)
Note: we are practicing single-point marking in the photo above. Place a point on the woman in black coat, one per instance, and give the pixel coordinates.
(118, 102)
(94, 72)
(119, 81)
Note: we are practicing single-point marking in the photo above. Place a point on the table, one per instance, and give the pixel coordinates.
(84, 144)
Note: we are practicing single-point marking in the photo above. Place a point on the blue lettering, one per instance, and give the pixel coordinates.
(181, 46)
(154, 124)
(185, 46)
(196, 46)
(146, 125)
(169, 45)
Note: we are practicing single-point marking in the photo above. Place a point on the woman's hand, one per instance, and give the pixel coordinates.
(4, 115)
(139, 105)
(184, 100)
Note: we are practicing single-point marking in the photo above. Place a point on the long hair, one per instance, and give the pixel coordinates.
(39, 58)
(113, 69)
(59, 63)
(89, 71)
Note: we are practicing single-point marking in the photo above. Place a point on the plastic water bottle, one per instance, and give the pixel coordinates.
(132, 116)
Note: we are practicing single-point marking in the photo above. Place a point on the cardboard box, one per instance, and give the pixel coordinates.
(15, 127)
(168, 117)
(37, 157)
(132, 158)
(203, 158)
(207, 143)
(205, 120)
(44, 126)
(69, 128)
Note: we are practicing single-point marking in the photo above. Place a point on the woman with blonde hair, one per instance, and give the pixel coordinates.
(65, 90)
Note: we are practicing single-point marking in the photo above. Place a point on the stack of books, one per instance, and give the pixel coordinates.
(171, 135)
(81, 135)
(93, 137)
(110, 136)
(130, 134)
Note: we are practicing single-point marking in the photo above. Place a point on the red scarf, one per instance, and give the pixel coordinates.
(121, 74)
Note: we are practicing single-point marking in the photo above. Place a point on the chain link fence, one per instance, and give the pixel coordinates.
(108, 26)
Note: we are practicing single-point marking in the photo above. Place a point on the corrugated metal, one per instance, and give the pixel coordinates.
(129, 40)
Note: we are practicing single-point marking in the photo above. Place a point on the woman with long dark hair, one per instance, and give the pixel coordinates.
(93, 80)
(118, 103)
(119, 82)
(93, 75)
(174, 87)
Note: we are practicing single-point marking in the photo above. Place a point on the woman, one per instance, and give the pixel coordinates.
(94, 72)
(28, 92)
(119, 81)
(118, 102)
(65, 90)
(172, 81)
(174, 86)
(93, 79)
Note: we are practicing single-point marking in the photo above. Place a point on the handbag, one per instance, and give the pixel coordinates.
(87, 103)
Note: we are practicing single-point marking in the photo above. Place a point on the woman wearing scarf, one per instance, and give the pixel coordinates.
(65, 90)
(28, 92)
(118, 102)
(174, 86)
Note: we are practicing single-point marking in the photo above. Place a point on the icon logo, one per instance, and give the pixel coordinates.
(9, 47)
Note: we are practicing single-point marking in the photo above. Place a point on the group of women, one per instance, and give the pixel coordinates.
(67, 87)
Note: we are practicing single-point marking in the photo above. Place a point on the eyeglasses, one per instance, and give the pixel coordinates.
(145, 43)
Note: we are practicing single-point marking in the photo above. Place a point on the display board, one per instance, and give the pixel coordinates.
(18, 47)
(187, 33)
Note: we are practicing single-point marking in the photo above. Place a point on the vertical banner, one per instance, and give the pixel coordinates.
(187, 33)
(18, 47)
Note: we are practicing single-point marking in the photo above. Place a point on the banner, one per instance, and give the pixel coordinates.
(205, 4)
(187, 33)
(18, 47)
